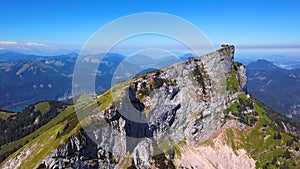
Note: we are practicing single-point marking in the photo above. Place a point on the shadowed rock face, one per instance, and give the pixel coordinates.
(180, 103)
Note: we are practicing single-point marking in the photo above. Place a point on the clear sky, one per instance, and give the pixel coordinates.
(248, 23)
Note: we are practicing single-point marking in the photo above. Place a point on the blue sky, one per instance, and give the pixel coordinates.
(70, 23)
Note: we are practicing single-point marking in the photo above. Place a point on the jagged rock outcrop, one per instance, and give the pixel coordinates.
(183, 103)
(80, 151)
(142, 154)
(241, 76)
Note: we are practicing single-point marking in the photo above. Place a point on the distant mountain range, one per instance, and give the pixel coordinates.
(288, 61)
(25, 82)
(27, 79)
(278, 88)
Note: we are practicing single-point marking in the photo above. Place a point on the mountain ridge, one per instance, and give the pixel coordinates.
(182, 108)
(276, 87)
(59, 68)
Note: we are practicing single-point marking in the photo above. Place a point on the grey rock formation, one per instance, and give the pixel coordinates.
(78, 152)
(142, 154)
(180, 103)
(242, 78)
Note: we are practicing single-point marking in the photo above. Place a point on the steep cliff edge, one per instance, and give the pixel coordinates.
(194, 114)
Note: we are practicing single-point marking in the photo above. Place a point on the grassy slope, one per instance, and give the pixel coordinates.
(46, 133)
(261, 145)
(59, 129)
(43, 107)
(5, 115)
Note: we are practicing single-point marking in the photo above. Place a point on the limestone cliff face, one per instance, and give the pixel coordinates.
(180, 104)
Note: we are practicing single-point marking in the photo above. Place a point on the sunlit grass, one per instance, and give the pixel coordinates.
(43, 107)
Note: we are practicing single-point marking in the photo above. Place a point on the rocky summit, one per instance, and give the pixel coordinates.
(194, 114)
